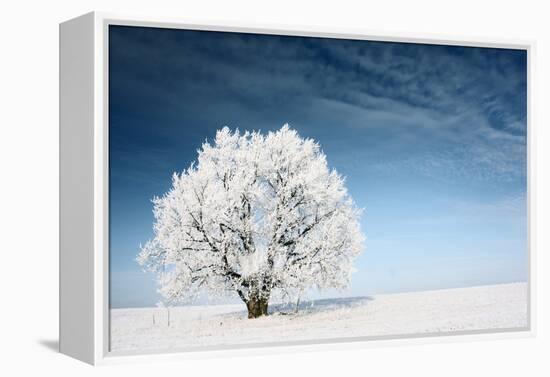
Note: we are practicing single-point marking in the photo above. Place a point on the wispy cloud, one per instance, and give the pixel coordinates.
(467, 102)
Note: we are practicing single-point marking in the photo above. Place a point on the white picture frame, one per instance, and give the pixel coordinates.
(84, 269)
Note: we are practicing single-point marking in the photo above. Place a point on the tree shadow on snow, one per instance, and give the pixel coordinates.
(321, 305)
(311, 306)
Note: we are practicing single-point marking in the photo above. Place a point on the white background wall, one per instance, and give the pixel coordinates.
(29, 182)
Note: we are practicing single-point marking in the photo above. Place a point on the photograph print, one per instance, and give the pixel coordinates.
(275, 190)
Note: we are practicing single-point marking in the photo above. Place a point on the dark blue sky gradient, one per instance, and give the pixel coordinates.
(431, 139)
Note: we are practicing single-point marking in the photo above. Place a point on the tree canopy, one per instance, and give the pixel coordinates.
(256, 214)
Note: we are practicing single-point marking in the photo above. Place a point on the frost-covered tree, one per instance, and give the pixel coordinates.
(257, 214)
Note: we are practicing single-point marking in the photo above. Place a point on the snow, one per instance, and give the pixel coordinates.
(490, 307)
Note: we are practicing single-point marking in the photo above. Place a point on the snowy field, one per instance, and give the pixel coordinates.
(500, 306)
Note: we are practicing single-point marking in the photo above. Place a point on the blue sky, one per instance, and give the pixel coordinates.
(431, 139)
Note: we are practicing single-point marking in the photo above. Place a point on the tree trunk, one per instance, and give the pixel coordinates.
(257, 307)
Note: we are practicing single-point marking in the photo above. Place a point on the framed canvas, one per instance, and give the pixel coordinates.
(230, 189)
